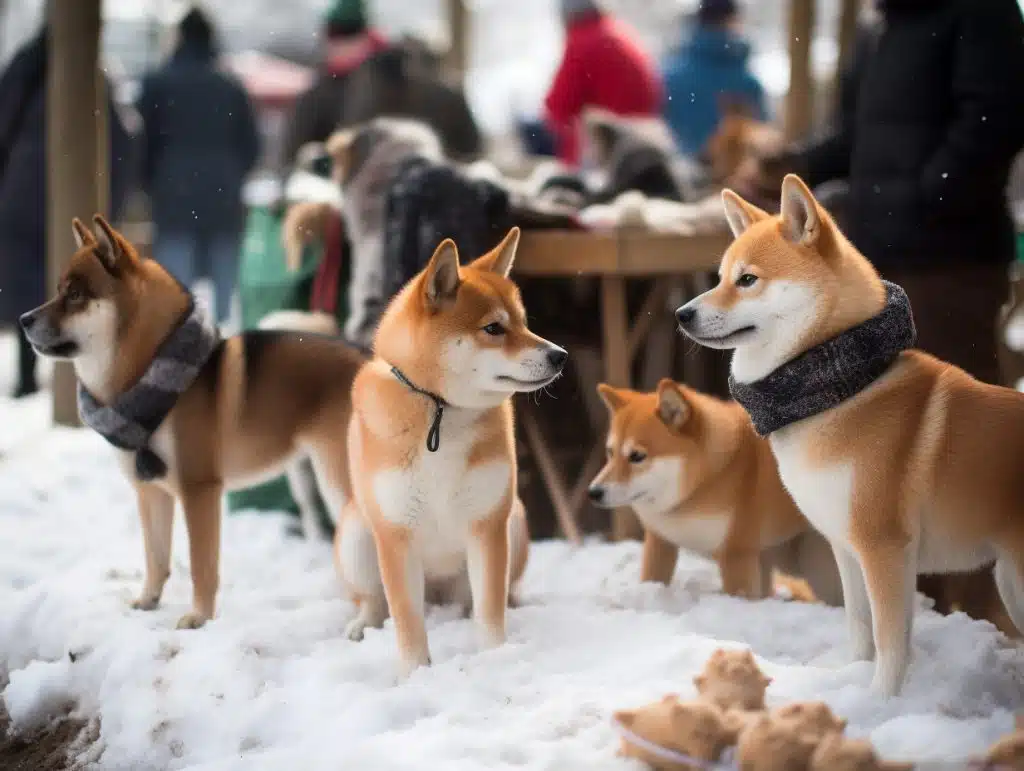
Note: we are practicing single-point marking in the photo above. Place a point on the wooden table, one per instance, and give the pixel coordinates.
(614, 258)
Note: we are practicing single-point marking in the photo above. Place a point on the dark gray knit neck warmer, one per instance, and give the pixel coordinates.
(830, 373)
(130, 421)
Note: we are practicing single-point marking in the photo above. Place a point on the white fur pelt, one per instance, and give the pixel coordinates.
(635, 210)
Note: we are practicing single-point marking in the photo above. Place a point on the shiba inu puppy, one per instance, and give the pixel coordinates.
(192, 415)
(905, 463)
(434, 448)
(698, 477)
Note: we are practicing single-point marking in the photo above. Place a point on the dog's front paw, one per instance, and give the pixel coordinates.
(146, 602)
(411, 663)
(355, 629)
(492, 636)
(192, 620)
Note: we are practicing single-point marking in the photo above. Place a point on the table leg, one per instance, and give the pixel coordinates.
(615, 348)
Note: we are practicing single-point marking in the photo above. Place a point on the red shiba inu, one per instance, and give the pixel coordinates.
(699, 478)
(905, 463)
(433, 449)
(191, 415)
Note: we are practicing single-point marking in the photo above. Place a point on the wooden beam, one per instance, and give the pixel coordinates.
(456, 60)
(849, 15)
(800, 99)
(74, 135)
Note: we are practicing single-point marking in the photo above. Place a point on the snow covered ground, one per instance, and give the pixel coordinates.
(273, 684)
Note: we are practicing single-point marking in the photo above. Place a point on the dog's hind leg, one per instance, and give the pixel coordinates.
(302, 483)
(1010, 582)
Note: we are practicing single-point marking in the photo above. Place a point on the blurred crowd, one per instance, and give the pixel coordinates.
(928, 121)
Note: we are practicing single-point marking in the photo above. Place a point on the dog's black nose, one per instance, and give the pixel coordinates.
(27, 320)
(685, 315)
(596, 494)
(557, 357)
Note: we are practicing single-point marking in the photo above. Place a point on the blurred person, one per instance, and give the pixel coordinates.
(603, 65)
(351, 40)
(23, 207)
(201, 142)
(389, 83)
(709, 75)
(930, 119)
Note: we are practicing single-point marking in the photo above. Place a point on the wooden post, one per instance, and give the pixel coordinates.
(457, 59)
(800, 99)
(849, 16)
(74, 134)
(617, 365)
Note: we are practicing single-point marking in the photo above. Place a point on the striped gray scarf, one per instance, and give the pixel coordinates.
(832, 372)
(134, 416)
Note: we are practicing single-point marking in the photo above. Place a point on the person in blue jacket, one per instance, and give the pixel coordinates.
(201, 141)
(707, 73)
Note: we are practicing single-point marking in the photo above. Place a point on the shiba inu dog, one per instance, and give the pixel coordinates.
(905, 463)
(191, 415)
(433, 446)
(699, 478)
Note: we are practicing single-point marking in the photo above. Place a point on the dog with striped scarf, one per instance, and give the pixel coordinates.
(190, 414)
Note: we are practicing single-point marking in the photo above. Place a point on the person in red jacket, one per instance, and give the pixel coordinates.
(603, 66)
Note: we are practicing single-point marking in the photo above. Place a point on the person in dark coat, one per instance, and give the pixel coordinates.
(201, 141)
(931, 116)
(318, 112)
(23, 218)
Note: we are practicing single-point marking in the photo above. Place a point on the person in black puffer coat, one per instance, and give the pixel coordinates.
(931, 116)
(23, 194)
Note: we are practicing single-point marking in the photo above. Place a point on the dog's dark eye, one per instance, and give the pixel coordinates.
(637, 457)
(494, 329)
(74, 295)
(746, 280)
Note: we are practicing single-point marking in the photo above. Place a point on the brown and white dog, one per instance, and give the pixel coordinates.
(699, 478)
(259, 400)
(433, 447)
(918, 472)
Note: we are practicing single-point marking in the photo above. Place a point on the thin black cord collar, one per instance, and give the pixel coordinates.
(434, 434)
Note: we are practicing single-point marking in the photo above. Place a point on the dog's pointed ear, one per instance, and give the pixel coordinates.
(499, 260)
(442, 279)
(740, 213)
(111, 247)
(612, 397)
(801, 221)
(673, 407)
(83, 236)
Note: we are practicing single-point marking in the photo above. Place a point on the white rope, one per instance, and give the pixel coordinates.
(664, 753)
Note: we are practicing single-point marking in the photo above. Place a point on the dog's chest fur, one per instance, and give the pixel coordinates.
(823, 493)
(440, 495)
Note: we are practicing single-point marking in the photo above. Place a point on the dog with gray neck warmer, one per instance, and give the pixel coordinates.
(905, 463)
